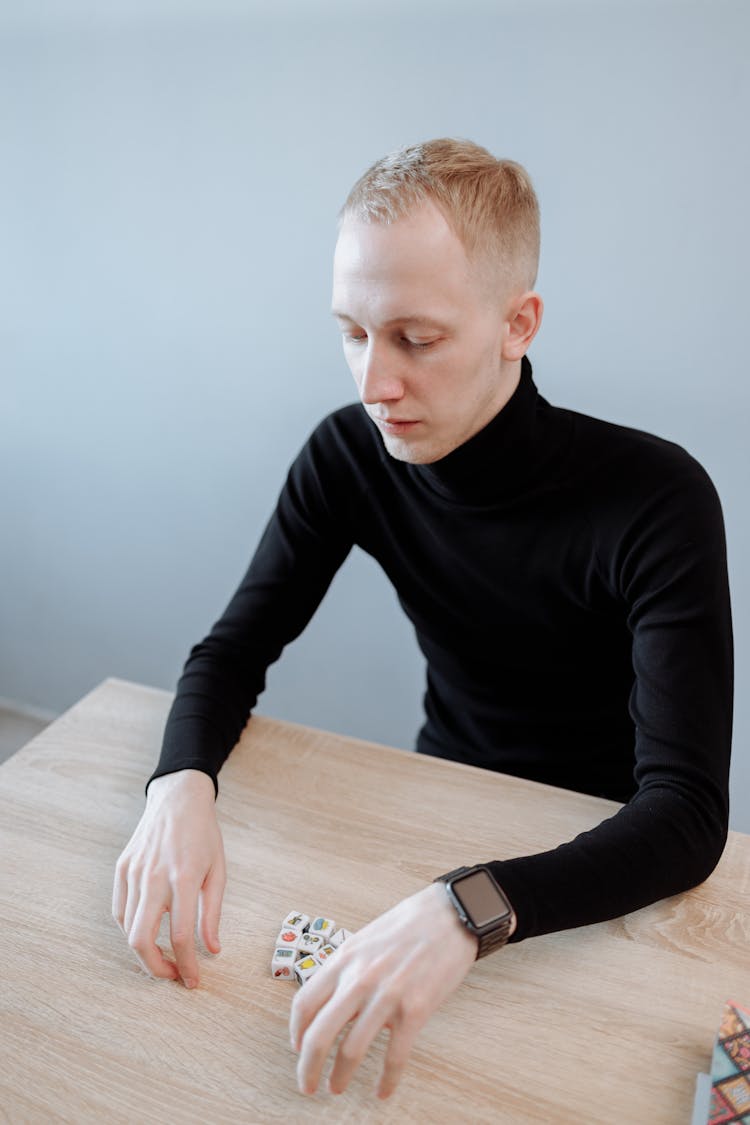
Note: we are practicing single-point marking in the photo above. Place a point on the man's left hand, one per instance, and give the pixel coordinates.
(394, 973)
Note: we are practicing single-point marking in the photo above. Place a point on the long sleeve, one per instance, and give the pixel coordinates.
(668, 570)
(301, 549)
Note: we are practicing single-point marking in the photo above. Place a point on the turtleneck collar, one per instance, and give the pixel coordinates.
(501, 459)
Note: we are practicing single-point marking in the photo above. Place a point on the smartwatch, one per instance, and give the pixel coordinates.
(481, 905)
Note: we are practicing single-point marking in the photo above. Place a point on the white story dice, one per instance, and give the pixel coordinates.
(288, 939)
(338, 937)
(323, 926)
(325, 952)
(282, 963)
(305, 968)
(296, 920)
(310, 943)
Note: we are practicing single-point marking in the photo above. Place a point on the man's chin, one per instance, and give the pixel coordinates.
(411, 451)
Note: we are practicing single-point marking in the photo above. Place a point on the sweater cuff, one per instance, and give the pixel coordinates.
(187, 764)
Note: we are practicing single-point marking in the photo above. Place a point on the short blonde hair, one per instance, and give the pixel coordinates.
(490, 204)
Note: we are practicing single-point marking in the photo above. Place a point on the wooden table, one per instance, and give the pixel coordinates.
(609, 1023)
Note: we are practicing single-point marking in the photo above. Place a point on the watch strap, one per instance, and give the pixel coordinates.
(494, 940)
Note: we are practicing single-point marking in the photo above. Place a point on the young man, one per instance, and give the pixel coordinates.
(566, 579)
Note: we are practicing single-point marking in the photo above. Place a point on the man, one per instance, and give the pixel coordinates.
(566, 579)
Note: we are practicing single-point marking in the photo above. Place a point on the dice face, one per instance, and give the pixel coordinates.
(288, 938)
(305, 968)
(296, 921)
(322, 926)
(282, 963)
(310, 943)
(325, 952)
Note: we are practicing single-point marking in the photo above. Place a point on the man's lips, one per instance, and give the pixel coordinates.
(396, 425)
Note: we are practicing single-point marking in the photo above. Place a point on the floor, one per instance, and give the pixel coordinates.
(15, 731)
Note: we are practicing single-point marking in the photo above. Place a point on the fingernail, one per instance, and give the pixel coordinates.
(190, 983)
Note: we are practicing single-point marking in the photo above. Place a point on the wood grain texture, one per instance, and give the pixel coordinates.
(607, 1024)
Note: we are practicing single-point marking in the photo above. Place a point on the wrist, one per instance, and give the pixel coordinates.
(188, 782)
(481, 906)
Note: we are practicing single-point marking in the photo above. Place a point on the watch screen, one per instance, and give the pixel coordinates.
(479, 897)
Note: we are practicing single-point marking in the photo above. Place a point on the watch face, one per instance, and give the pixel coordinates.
(480, 898)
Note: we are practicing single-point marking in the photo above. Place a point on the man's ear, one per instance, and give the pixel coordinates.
(523, 323)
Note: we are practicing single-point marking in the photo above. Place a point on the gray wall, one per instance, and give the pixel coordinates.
(169, 177)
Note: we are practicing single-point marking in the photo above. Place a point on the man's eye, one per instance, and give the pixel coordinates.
(354, 337)
(419, 343)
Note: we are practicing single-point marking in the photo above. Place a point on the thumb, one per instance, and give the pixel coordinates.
(212, 893)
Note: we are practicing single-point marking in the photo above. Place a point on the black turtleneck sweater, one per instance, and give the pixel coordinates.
(567, 582)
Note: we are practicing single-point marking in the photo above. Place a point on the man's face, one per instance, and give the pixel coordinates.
(422, 338)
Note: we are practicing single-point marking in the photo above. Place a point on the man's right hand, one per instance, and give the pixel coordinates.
(173, 863)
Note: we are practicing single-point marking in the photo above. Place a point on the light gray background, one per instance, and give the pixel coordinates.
(169, 179)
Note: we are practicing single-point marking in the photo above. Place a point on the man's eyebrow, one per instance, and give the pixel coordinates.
(409, 318)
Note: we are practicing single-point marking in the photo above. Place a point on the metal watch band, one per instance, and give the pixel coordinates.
(490, 942)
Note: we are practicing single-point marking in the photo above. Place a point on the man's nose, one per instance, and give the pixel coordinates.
(380, 381)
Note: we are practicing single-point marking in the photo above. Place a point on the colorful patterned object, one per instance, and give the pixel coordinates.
(730, 1069)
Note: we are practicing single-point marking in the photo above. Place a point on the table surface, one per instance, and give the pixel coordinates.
(610, 1023)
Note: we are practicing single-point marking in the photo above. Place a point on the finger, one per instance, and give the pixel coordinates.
(182, 932)
(142, 938)
(399, 1049)
(132, 902)
(119, 898)
(210, 908)
(308, 1001)
(320, 1037)
(358, 1040)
